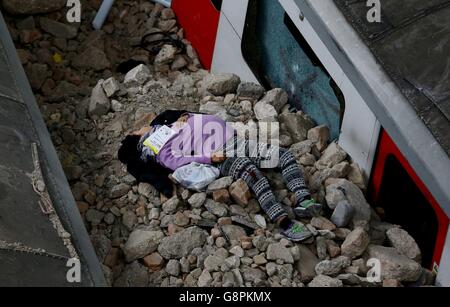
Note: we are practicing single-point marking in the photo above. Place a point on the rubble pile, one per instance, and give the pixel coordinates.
(217, 238)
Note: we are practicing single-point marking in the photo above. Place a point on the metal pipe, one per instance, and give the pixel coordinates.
(102, 14)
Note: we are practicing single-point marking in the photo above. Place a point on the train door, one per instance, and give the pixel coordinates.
(200, 20)
(404, 200)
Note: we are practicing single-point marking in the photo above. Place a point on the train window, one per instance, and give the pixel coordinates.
(279, 56)
(404, 204)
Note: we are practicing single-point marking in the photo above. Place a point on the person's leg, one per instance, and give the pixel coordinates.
(244, 168)
(293, 177)
(305, 207)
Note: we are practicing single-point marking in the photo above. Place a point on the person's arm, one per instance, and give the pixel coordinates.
(218, 157)
(142, 132)
(173, 163)
(152, 173)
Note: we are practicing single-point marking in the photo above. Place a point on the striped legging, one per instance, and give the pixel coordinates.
(247, 168)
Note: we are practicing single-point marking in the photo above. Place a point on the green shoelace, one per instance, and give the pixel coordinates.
(297, 228)
(308, 203)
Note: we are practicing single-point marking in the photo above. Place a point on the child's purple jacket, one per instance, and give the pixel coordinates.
(196, 141)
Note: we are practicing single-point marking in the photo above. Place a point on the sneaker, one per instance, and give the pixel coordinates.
(297, 232)
(308, 209)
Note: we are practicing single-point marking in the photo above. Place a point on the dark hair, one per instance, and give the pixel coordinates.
(144, 171)
(128, 151)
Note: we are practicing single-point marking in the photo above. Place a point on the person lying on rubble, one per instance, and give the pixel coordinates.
(154, 166)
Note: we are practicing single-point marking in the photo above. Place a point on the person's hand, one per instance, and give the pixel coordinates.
(218, 157)
(143, 131)
(182, 121)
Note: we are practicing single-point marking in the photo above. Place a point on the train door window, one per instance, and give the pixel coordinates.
(279, 56)
(404, 204)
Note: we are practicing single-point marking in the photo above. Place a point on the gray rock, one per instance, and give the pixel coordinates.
(154, 214)
(295, 252)
(185, 265)
(238, 277)
(297, 124)
(320, 136)
(141, 243)
(173, 268)
(147, 190)
(116, 106)
(63, 90)
(233, 232)
(31, 7)
(271, 268)
(214, 108)
(277, 251)
(119, 190)
(58, 29)
(260, 259)
(205, 279)
(356, 176)
(356, 243)
(233, 262)
(197, 200)
(213, 263)
(277, 98)
(322, 248)
(110, 218)
(179, 62)
(306, 266)
(237, 251)
(333, 267)
(355, 197)
(251, 274)
(166, 55)
(92, 58)
(395, 265)
(323, 281)
(228, 280)
(182, 243)
(261, 243)
(301, 148)
(404, 243)
(343, 214)
(322, 223)
(216, 208)
(349, 279)
(137, 76)
(220, 184)
(110, 86)
(333, 155)
(99, 104)
(285, 271)
(171, 206)
(222, 84)
(94, 217)
(133, 275)
(265, 112)
(129, 219)
(237, 211)
(378, 231)
(250, 90)
(167, 219)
